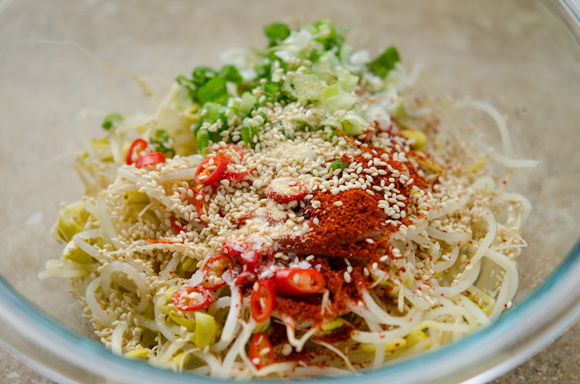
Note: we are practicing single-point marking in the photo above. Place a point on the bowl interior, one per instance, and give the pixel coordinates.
(515, 55)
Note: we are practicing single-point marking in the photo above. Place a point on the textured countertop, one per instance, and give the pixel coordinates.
(559, 363)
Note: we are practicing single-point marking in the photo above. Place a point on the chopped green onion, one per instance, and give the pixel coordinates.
(251, 130)
(246, 133)
(272, 92)
(198, 85)
(330, 133)
(202, 139)
(231, 73)
(307, 87)
(110, 119)
(336, 99)
(328, 35)
(327, 62)
(383, 64)
(339, 164)
(162, 142)
(353, 124)
(248, 102)
(187, 85)
(254, 135)
(214, 111)
(347, 81)
(276, 31)
(262, 68)
(214, 90)
(202, 75)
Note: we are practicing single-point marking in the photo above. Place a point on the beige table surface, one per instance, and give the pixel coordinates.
(559, 363)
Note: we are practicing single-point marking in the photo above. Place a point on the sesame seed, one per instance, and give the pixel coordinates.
(347, 277)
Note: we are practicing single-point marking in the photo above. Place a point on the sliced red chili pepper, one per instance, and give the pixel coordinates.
(245, 278)
(208, 177)
(137, 146)
(199, 202)
(213, 269)
(177, 225)
(232, 248)
(248, 253)
(285, 189)
(292, 282)
(189, 299)
(250, 259)
(261, 351)
(150, 159)
(237, 176)
(263, 300)
(163, 241)
(242, 220)
(239, 150)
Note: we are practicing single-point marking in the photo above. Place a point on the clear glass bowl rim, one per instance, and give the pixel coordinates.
(65, 357)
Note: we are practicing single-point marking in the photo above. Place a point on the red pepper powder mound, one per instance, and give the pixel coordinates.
(349, 225)
(356, 219)
(301, 308)
(342, 229)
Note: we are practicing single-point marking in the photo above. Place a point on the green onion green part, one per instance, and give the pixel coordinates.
(383, 64)
(276, 31)
(110, 119)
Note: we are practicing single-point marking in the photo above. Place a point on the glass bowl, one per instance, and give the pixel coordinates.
(520, 55)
